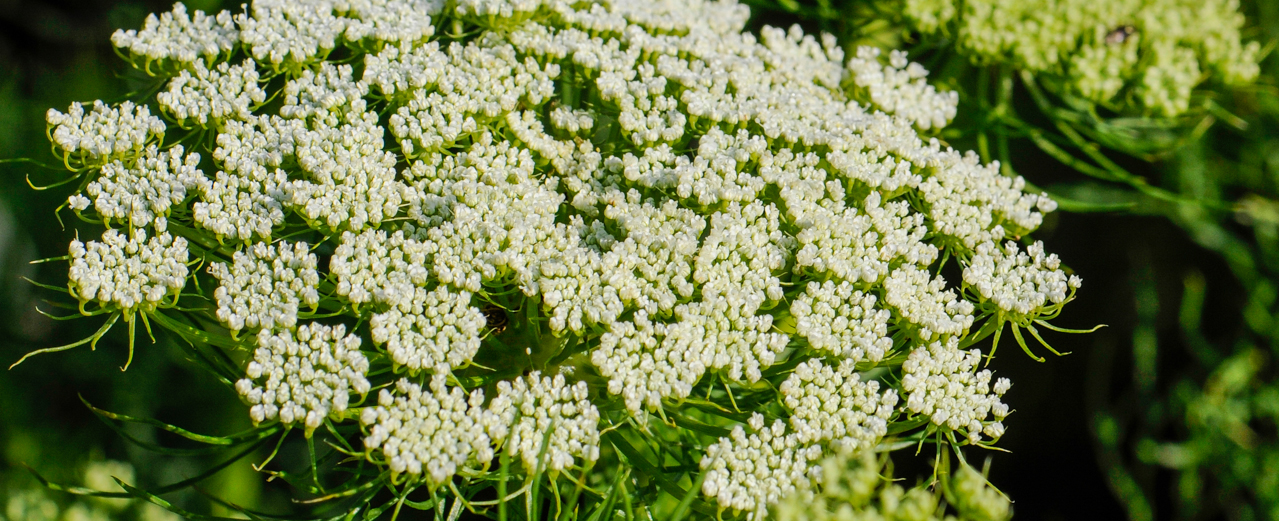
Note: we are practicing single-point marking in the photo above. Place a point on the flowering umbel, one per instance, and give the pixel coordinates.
(547, 235)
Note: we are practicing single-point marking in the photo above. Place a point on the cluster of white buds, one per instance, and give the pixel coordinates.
(206, 96)
(389, 21)
(435, 330)
(285, 33)
(491, 10)
(648, 116)
(840, 320)
(351, 180)
(490, 218)
(861, 245)
(833, 404)
(923, 301)
(647, 361)
(900, 88)
(142, 192)
(749, 473)
(432, 432)
(646, 182)
(246, 200)
(659, 242)
(544, 410)
(1140, 56)
(128, 273)
(265, 285)
(941, 381)
(375, 266)
(400, 71)
(103, 133)
(304, 376)
(967, 199)
(1019, 283)
(571, 121)
(180, 37)
(477, 84)
(324, 95)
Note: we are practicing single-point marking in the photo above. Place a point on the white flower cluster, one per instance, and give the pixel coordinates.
(128, 273)
(324, 95)
(435, 330)
(351, 180)
(968, 201)
(246, 200)
(1018, 283)
(476, 85)
(923, 301)
(401, 71)
(839, 320)
(180, 37)
(548, 409)
(654, 259)
(641, 173)
(389, 21)
(833, 404)
(304, 376)
(203, 96)
(491, 10)
(861, 245)
(283, 33)
(749, 473)
(490, 218)
(375, 266)
(432, 432)
(941, 381)
(900, 88)
(144, 191)
(571, 121)
(103, 133)
(646, 361)
(265, 285)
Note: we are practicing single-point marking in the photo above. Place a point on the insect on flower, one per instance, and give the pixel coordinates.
(1120, 34)
(495, 318)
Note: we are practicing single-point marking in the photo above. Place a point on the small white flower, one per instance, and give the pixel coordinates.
(536, 407)
(748, 473)
(942, 382)
(304, 376)
(180, 37)
(144, 191)
(265, 285)
(103, 133)
(128, 273)
(207, 96)
(832, 404)
(431, 432)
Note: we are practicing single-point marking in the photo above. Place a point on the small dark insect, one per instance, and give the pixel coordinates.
(495, 318)
(1120, 34)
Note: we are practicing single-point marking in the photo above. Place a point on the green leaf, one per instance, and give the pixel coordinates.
(250, 435)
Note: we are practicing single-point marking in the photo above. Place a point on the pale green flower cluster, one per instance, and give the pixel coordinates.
(861, 488)
(1143, 55)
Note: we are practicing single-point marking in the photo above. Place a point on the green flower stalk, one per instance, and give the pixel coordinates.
(489, 250)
